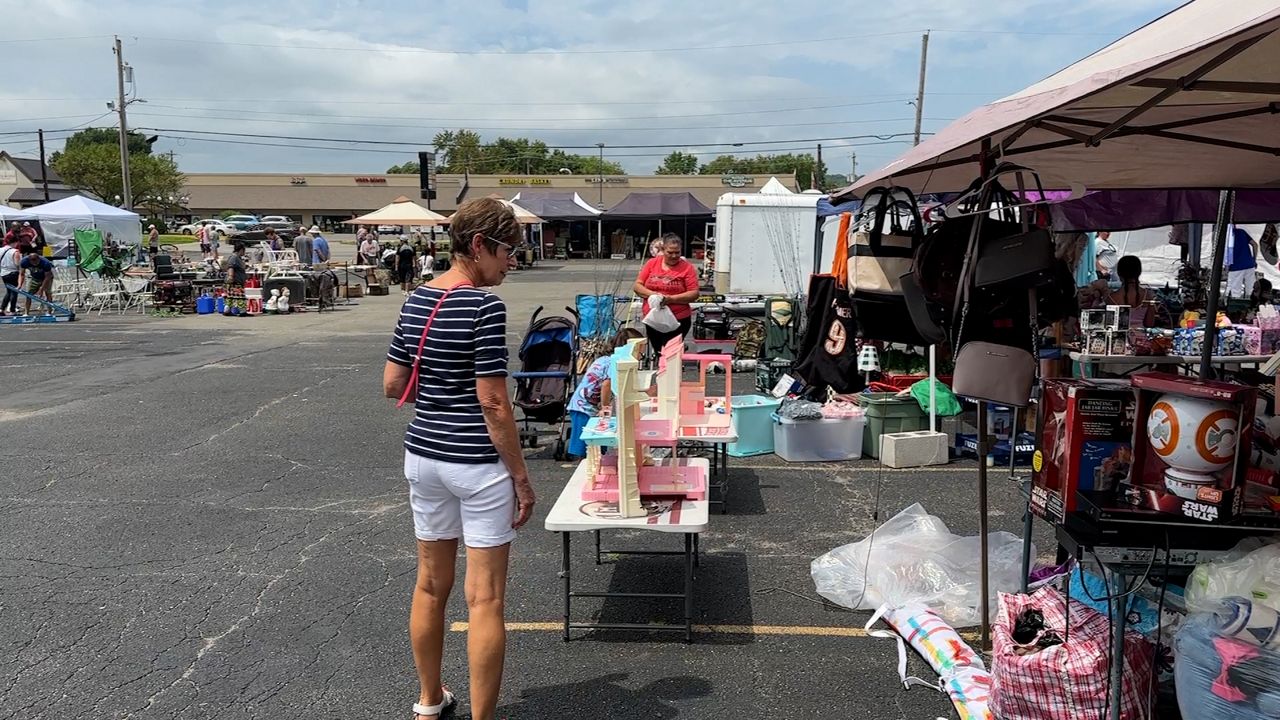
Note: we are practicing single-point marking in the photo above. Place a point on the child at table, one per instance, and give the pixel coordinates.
(593, 393)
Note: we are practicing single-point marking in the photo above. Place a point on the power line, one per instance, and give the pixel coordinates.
(453, 121)
(53, 39)
(569, 103)
(355, 141)
(419, 126)
(489, 160)
(612, 51)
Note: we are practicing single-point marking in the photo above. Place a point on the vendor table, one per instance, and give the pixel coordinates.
(1090, 363)
(571, 514)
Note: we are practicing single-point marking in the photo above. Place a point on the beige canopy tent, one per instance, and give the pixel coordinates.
(524, 217)
(402, 211)
(1187, 101)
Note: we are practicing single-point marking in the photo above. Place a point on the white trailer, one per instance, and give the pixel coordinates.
(765, 241)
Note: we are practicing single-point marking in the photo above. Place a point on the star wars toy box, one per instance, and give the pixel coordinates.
(1191, 447)
(1085, 440)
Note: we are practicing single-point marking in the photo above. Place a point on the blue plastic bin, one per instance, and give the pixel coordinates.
(753, 423)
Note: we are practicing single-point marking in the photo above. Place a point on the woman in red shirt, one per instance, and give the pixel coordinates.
(670, 280)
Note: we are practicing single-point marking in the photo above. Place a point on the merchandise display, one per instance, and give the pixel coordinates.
(1191, 458)
(1085, 442)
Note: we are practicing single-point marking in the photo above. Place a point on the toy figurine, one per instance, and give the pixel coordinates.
(282, 306)
(273, 302)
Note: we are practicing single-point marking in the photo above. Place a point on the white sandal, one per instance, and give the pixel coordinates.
(447, 704)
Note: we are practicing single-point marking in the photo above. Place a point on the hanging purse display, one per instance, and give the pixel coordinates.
(881, 252)
(994, 372)
(827, 356)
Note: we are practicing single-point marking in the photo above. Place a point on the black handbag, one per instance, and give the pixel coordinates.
(880, 253)
(1022, 259)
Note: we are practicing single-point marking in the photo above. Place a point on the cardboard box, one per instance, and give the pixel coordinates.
(1086, 435)
(351, 291)
(376, 289)
(1219, 500)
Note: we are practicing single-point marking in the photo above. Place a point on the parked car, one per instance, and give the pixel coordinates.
(269, 219)
(388, 229)
(241, 222)
(218, 226)
(278, 225)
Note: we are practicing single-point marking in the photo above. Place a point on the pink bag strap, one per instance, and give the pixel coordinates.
(412, 386)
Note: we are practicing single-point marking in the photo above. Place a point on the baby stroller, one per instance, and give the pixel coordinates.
(547, 377)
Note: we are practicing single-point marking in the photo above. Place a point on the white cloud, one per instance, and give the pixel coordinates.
(264, 68)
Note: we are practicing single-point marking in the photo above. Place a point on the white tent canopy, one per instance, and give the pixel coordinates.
(773, 187)
(61, 218)
(402, 211)
(8, 214)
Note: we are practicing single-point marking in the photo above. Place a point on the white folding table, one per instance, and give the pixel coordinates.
(572, 514)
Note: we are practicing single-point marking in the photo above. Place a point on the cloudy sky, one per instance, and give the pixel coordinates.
(669, 73)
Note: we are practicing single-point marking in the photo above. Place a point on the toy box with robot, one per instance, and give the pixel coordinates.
(1086, 434)
(1191, 446)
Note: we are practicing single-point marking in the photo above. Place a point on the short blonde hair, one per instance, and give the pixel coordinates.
(484, 216)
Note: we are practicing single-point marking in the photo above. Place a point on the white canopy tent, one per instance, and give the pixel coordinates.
(773, 187)
(401, 211)
(8, 215)
(61, 218)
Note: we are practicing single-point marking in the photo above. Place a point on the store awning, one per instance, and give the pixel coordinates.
(556, 205)
(638, 205)
(1187, 101)
(401, 211)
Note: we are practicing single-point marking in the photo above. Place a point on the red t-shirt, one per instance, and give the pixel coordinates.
(670, 281)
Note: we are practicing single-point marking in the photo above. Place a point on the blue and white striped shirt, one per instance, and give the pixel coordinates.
(467, 340)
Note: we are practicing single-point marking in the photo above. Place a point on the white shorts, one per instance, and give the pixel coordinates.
(453, 500)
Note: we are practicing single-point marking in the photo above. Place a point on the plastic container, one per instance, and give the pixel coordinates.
(753, 424)
(204, 305)
(888, 413)
(827, 440)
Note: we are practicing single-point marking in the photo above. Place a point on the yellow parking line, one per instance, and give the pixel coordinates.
(783, 630)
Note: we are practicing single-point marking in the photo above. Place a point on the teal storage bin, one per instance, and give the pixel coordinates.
(753, 423)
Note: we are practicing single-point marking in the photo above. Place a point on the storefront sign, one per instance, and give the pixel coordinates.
(371, 181)
(607, 181)
(737, 181)
(523, 181)
(297, 181)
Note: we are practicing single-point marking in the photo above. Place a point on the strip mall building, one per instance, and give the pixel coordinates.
(326, 199)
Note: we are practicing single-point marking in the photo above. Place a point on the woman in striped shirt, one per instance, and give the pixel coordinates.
(467, 475)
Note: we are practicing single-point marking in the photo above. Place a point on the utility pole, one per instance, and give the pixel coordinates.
(817, 168)
(600, 176)
(44, 170)
(126, 192)
(853, 162)
(924, 61)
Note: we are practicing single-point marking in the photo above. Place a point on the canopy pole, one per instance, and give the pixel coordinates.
(986, 163)
(1226, 209)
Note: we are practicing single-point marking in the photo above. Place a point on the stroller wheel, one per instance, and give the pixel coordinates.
(560, 454)
(533, 441)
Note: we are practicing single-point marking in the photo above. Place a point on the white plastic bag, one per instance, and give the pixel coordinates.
(914, 558)
(661, 319)
(1251, 569)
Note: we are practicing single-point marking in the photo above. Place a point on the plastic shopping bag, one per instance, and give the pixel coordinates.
(661, 319)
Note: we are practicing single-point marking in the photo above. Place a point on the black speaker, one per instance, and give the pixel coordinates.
(425, 162)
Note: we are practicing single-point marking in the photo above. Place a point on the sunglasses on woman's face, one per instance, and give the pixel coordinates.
(511, 249)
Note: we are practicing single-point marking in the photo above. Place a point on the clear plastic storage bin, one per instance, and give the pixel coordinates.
(828, 440)
(753, 424)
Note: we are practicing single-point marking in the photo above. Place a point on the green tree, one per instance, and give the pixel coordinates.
(464, 150)
(804, 165)
(138, 144)
(409, 168)
(679, 163)
(95, 167)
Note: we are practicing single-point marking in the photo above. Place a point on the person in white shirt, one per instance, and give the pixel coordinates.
(427, 266)
(10, 275)
(368, 250)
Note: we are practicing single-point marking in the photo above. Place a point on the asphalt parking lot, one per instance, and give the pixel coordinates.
(206, 517)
